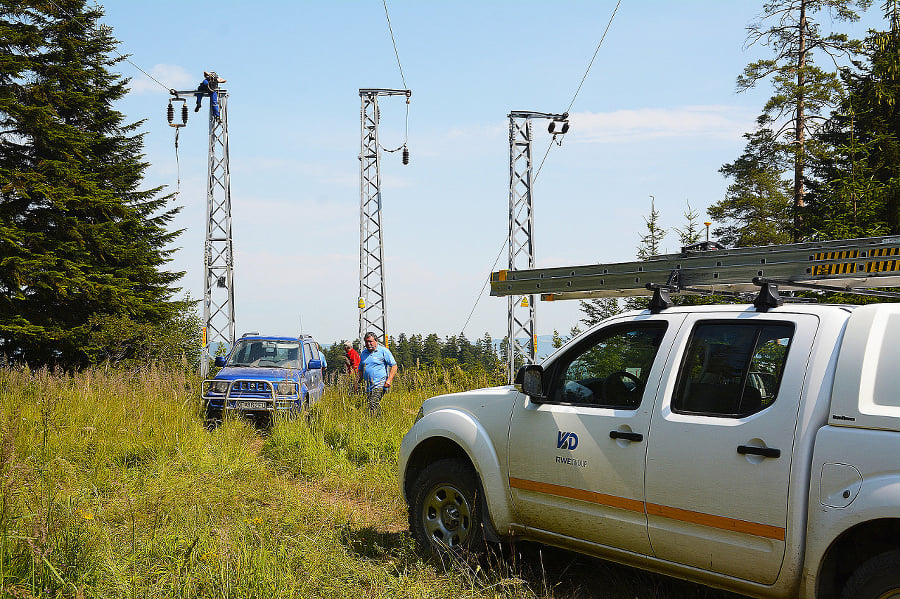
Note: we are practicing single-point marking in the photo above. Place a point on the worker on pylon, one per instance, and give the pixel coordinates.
(209, 85)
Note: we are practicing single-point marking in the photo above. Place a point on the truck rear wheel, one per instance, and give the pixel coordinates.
(877, 578)
(445, 513)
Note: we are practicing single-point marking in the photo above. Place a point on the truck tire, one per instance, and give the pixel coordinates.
(877, 578)
(445, 512)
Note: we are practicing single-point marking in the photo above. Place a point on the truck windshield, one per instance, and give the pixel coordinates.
(265, 353)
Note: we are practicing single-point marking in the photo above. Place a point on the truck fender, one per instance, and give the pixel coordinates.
(434, 437)
(844, 538)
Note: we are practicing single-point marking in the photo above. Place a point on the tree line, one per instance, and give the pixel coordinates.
(415, 351)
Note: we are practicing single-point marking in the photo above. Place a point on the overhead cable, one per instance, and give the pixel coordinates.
(588, 70)
(74, 19)
(481, 293)
(393, 41)
(538, 172)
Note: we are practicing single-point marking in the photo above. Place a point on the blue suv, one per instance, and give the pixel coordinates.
(264, 375)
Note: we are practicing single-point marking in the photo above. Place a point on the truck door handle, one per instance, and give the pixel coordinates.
(637, 437)
(766, 452)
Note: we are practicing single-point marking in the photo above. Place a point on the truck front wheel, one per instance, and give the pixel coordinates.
(445, 514)
(877, 578)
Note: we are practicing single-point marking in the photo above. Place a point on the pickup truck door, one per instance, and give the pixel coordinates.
(576, 458)
(719, 454)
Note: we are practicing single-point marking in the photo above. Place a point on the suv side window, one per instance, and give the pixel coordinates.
(609, 369)
(732, 369)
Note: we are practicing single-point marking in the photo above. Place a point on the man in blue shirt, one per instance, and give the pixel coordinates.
(378, 367)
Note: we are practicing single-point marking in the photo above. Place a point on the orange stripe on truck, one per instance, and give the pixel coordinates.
(652, 509)
(590, 496)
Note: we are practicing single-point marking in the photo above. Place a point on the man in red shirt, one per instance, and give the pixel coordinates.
(351, 359)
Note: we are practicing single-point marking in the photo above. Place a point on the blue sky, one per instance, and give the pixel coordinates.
(657, 116)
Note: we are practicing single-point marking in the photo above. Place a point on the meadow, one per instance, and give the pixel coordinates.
(111, 486)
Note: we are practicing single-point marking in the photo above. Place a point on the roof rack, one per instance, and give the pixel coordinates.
(844, 265)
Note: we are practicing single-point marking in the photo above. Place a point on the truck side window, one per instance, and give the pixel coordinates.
(732, 369)
(609, 369)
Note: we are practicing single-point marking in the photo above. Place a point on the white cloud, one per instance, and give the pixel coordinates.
(171, 76)
(720, 122)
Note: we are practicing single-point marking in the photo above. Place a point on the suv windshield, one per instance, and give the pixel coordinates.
(265, 353)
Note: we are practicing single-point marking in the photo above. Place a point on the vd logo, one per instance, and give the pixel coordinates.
(566, 440)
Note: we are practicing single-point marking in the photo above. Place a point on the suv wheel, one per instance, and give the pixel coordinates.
(877, 578)
(212, 418)
(445, 514)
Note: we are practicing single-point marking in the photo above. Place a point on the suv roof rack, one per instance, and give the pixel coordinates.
(844, 265)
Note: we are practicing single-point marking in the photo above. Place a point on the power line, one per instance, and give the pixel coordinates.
(588, 70)
(481, 293)
(549, 147)
(393, 41)
(74, 19)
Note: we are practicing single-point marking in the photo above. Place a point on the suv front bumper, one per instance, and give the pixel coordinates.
(249, 395)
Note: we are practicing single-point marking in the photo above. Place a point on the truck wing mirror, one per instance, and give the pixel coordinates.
(531, 379)
(220, 361)
(314, 365)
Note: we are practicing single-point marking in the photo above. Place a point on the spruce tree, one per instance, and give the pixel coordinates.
(803, 91)
(858, 192)
(82, 247)
(756, 209)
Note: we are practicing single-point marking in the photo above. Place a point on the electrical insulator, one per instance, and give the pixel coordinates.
(184, 113)
(170, 113)
(551, 128)
(405, 155)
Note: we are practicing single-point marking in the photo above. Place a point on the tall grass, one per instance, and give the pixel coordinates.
(111, 486)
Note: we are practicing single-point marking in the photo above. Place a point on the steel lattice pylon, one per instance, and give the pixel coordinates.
(522, 329)
(372, 308)
(218, 256)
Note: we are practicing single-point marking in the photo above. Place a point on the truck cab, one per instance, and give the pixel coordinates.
(264, 375)
(746, 449)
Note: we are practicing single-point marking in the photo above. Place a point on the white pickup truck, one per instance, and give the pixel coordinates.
(753, 450)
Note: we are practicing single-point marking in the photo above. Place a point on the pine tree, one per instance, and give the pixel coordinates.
(402, 354)
(81, 246)
(466, 351)
(858, 193)
(431, 350)
(803, 91)
(597, 309)
(690, 233)
(757, 205)
(450, 350)
(558, 340)
(652, 239)
(487, 353)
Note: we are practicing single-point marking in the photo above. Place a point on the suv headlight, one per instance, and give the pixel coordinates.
(286, 388)
(218, 386)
